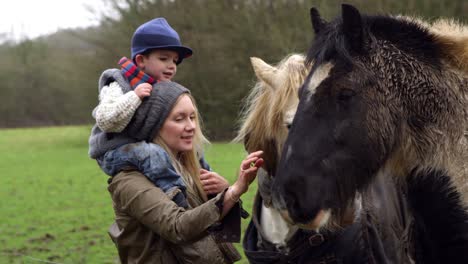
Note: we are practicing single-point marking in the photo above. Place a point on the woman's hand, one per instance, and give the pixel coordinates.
(248, 171)
(212, 182)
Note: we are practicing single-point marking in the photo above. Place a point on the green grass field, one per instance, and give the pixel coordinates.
(55, 207)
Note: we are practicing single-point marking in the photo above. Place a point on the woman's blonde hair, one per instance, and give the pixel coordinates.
(187, 163)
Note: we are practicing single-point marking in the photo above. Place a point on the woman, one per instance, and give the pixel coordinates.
(149, 226)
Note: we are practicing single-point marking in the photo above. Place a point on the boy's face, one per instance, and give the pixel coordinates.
(159, 64)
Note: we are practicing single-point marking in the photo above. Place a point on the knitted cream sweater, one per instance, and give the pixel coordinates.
(115, 109)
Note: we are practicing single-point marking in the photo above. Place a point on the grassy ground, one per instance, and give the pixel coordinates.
(55, 207)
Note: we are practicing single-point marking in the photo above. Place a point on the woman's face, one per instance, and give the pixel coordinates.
(178, 130)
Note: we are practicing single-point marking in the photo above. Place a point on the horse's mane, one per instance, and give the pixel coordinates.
(451, 37)
(443, 39)
(262, 114)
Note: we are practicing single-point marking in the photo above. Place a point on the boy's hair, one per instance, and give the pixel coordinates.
(158, 34)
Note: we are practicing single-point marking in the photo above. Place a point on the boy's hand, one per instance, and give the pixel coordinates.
(143, 90)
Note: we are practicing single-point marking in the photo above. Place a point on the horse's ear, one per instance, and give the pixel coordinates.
(317, 22)
(263, 70)
(352, 27)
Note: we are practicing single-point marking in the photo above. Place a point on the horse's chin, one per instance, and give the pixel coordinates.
(315, 224)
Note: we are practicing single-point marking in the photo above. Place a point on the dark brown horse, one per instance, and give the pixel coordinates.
(381, 130)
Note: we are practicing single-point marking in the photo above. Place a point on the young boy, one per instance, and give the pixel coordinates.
(156, 51)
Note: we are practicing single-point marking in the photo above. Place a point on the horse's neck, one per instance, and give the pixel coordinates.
(275, 229)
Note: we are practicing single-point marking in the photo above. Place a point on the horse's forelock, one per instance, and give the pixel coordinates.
(292, 71)
(329, 45)
(264, 108)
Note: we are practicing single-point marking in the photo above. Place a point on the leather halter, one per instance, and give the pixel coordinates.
(304, 246)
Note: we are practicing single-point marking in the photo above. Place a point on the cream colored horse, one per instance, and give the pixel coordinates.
(268, 112)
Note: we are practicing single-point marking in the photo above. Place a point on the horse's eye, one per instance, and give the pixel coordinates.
(345, 94)
(288, 126)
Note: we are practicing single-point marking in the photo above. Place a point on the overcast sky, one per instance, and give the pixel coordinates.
(32, 18)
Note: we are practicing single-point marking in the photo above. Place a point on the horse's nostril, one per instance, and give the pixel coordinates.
(301, 204)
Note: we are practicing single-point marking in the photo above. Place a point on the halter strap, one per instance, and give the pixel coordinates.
(316, 247)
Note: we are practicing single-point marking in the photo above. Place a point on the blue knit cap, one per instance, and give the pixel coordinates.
(158, 34)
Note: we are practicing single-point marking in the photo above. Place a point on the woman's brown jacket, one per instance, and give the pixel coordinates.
(151, 228)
